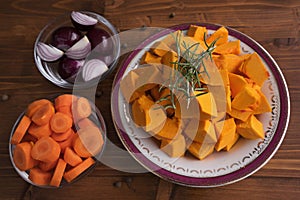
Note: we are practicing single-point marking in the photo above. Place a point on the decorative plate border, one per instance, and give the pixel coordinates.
(266, 149)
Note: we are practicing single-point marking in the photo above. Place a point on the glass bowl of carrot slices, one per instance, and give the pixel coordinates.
(56, 142)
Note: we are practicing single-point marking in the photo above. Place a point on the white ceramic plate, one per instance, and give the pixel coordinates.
(220, 168)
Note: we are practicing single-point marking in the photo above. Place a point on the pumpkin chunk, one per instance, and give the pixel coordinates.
(169, 58)
(251, 129)
(160, 48)
(254, 68)
(232, 47)
(197, 32)
(201, 150)
(221, 34)
(208, 108)
(246, 98)
(204, 134)
(225, 130)
(170, 130)
(149, 58)
(175, 147)
(242, 115)
(237, 83)
(232, 142)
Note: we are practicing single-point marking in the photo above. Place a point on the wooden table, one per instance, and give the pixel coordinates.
(274, 24)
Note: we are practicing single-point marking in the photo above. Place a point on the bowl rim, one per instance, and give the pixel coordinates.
(67, 85)
(23, 174)
(232, 177)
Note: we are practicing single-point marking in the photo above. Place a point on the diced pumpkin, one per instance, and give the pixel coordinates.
(170, 130)
(251, 129)
(204, 134)
(237, 83)
(147, 115)
(170, 39)
(221, 35)
(169, 58)
(149, 58)
(160, 48)
(154, 92)
(208, 108)
(245, 98)
(197, 32)
(263, 105)
(232, 142)
(254, 68)
(225, 130)
(201, 151)
(242, 115)
(231, 62)
(174, 148)
(232, 47)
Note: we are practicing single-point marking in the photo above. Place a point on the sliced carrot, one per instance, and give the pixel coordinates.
(76, 171)
(82, 108)
(22, 156)
(64, 100)
(85, 122)
(43, 114)
(59, 137)
(71, 157)
(60, 122)
(34, 106)
(46, 149)
(89, 141)
(39, 131)
(47, 166)
(39, 177)
(20, 130)
(66, 110)
(58, 173)
(67, 143)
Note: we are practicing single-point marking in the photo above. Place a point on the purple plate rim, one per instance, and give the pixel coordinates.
(232, 177)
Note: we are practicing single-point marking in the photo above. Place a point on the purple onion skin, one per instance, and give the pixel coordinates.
(65, 37)
(82, 27)
(68, 67)
(101, 39)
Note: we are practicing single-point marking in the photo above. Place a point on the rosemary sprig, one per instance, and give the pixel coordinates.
(191, 66)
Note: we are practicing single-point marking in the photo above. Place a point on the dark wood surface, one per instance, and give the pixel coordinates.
(274, 24)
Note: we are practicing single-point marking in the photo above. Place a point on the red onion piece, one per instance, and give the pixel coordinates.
(80, 49)
(48, 53)
(83, 19)
(93, 68)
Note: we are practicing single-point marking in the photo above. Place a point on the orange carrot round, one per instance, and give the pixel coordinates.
(85, 122)
(67, 143)
(71, 157)
(43, 115)
(47, 166)
(82, 108)
(64, 100)
(46, 149)
(66, 110)
(34, 106)
(22, 156)
(60, 122)
(39, 131)
(58, 173)
(89, 142)
(20, 130)
(59, 137)
(76, 171)
(39, 177)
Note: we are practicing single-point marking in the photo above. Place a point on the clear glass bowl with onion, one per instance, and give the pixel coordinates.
(78, 49)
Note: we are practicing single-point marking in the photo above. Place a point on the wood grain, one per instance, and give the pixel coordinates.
(274, 24)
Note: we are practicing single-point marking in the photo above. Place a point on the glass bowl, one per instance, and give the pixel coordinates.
(50, 69)
(95, 117)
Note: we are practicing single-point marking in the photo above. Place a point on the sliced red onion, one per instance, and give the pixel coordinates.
(48, 53)
(80, 49)
(83, 19)
(93, 68)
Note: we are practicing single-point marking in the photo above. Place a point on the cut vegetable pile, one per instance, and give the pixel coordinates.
(56, 141)
(158, 112)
